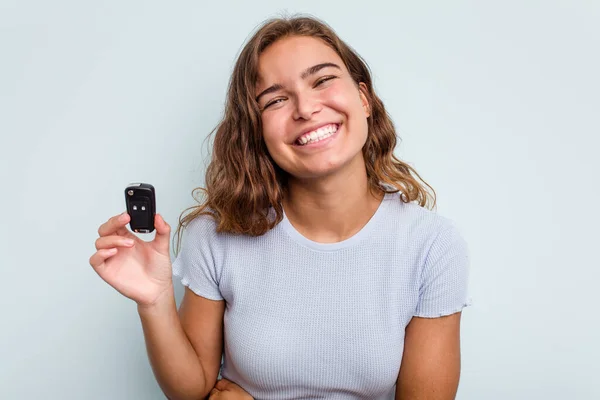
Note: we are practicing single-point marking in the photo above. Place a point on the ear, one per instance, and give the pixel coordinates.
(364, 98)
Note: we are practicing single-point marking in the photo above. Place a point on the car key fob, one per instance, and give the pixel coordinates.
(140, 200)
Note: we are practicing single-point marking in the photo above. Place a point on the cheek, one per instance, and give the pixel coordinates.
(344, 99)
(336, 98)
(273, 132)
(269, 126)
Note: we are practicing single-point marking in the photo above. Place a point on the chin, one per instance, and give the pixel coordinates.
(318, 172)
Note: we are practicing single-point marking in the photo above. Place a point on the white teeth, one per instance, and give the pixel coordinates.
(318, 134)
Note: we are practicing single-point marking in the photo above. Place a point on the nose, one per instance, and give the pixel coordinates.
(305, 106)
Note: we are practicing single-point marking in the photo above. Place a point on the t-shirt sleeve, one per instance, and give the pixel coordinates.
(445, 275)
(195, 263)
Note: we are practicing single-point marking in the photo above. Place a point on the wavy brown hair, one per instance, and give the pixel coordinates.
(243, 182)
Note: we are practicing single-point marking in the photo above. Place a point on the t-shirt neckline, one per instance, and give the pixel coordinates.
(363, 233)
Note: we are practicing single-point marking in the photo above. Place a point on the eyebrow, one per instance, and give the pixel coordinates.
(305, 74)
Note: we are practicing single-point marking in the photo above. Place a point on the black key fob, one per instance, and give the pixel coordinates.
(141, 206)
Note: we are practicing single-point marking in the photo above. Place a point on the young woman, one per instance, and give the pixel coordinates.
(313, 263)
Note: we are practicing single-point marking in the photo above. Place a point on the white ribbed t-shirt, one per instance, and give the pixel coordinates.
(308, 320)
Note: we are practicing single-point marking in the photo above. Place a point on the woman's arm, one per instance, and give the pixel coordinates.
(430, 368)
(185, 349)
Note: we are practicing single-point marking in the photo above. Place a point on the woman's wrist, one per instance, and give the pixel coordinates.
(165, 301)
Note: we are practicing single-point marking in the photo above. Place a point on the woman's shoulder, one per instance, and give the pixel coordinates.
(202, 227)
(418, 218)
(205, 227)
(201, 222)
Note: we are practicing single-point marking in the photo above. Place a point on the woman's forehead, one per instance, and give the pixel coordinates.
(291, 57)
(297, 51)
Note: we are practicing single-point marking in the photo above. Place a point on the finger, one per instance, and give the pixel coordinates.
(114, 225)
(100, 256)
(163, 233)
(107, 242)
(213, 393)
(221, 385)
(224, 384)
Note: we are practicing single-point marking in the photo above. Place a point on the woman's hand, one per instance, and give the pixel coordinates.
(137, 269)
(227, 390)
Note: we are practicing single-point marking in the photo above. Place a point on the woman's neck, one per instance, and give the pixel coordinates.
(333, 208)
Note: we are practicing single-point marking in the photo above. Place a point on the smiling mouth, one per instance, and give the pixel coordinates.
(317, 135)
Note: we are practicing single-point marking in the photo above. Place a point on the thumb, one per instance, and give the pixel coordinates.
(163, 233)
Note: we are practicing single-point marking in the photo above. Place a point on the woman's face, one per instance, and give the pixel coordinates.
(314, 115)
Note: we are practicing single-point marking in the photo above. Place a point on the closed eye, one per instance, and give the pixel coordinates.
(272, 102)
(324, 79)
(318, 83)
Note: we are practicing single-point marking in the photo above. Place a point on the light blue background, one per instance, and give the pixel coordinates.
(496, 103)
